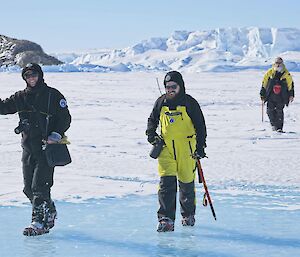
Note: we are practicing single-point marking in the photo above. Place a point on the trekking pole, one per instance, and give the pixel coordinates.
(206, 194)
(158, 86)
(262, 110)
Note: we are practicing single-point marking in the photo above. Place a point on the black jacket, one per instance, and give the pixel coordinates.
(193, 110)
(32, 106)
(268, 94)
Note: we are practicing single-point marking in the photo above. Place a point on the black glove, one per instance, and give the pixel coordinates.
(263, 94)
(153, 138)
(200, 153)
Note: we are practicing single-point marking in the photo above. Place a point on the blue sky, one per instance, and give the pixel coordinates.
(68, 25)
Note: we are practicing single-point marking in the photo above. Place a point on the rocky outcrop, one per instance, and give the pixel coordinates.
(20, 52)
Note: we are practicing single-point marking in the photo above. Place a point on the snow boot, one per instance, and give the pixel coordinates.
(35, 229)
(165, 224)
(50, 215)
(188, 221)
(37, 226)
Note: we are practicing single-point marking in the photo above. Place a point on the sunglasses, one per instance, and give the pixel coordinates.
(171, 87)
(31, 75)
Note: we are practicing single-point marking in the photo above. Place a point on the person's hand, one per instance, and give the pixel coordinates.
(54, 138)
(263, 94)
(153, 138)
(291, 99)
(200, 153)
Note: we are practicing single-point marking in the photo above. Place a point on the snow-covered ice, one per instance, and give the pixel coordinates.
(106, 197)
(219, 49)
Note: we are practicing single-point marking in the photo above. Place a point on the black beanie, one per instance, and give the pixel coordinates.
(33, 67)
(174, 76)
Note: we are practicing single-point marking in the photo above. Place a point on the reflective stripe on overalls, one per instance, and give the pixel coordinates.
(179, 135)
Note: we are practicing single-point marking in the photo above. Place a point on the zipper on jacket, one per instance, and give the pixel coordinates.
(174, 149)
(191, 148)
(192, 155)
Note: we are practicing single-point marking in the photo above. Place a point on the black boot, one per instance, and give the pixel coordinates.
(50, 215)
(37, 226)
(188, 221)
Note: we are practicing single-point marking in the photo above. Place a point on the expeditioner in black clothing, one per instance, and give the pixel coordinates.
(277, 90)
(33, 106)
(183, 132)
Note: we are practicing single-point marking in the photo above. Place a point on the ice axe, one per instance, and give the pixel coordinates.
(206, 194)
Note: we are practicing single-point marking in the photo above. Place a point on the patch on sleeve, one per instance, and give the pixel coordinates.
(63, 103)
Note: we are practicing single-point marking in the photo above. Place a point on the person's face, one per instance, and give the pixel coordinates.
(31, 78)
(278, 66)
(172, 89)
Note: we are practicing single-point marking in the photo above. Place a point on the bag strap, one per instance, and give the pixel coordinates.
(48, 115)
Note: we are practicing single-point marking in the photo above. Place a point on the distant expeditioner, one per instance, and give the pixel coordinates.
(39, 107)
(182, 137)
(277, 90)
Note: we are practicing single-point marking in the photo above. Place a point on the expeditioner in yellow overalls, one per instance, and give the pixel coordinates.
(277, 90)
(183, 132)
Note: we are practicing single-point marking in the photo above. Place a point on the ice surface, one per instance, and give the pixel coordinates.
(246, 226)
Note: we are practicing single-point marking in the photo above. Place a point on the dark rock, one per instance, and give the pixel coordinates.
(21, 52)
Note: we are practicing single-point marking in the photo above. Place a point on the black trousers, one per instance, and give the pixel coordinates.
(37, 177)
(167, 197)
(275, 113)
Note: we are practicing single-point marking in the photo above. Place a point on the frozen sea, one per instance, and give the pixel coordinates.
(245, 226)
(106, 198)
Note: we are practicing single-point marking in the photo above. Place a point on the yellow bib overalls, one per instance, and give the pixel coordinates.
(179, 135)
